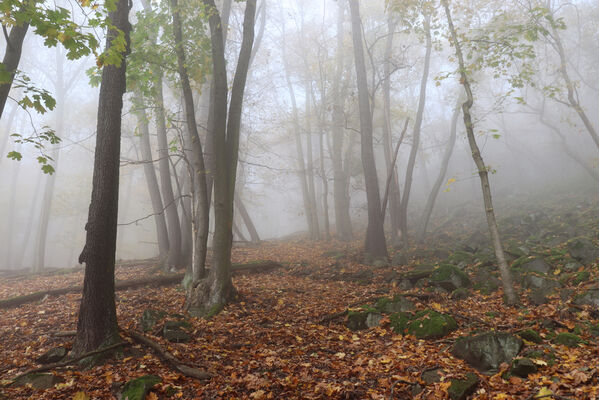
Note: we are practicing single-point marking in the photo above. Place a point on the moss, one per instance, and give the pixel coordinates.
(460, 293)
(518, 262)
(581, 277)
(459, 257)
(492, 314)
(356, 320)
(137, 389)
(429, 324)
(487, 287)
(214, 310)
(399, 321)
(568, 339)
(462, 388)
(530, 335)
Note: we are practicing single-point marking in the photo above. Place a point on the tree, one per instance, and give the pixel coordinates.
(97, 323)
(211, 294)
(483, 171)
(375, 244)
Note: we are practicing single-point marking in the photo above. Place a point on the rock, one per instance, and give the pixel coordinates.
(373, 319)
(137, 389)
(363, 277)
(429, 324)
(419, 272)
(173, 333)
(395, 305)
(460, 294)
(52, 356)
(537, 265)
(460, 258)
(530, 335)
(568, 339)
(572, 266)
(540, 282)
(583, 250)
(399, 259)
(40, 381)
(450, 277)
(538, 297)
(462, 388)
(399, 321)
(431, 376)
(150, 318)
(523, 367)
(487, 351)
(380, 263)
(356, 320)
(391, 276)
(405, 284)
(590, 297)
(581, 277)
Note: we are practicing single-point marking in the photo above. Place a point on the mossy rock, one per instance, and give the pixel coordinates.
(590, 297)
(488, 287)
(460, 294)
(430, 324)
(53, 355)
(137, 389)
(460, 389)
(594, 330)
(568, 339)
(356, 320)
(395, 305)
(399, 321)
(173, 333)
(583, 250)
(581, 277)
(460, 257)
(531, 335)
(150, 318)
(487, 351)
(523, 367)
(450, 277)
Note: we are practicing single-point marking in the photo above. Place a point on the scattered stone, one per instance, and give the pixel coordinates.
(431, 376)
(395, 305)
(531, 335)
(540, 282)
(373, 319)
(450, 277)
(429, 324)
(40, 381)
(173, 333)
(572, 266)
(583, 250)
(405, 284)
(53, 355)
(391, 276)
(460, 294)
(150, 318)
(590, 297)
(462, 388)
(523, 367)
(487, 351)
(568, 339)
(137, 389)
(538, 297)
(537, 265)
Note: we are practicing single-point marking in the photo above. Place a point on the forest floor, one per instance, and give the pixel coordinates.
(286, 337)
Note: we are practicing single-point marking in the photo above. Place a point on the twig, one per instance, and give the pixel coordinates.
(400, 381)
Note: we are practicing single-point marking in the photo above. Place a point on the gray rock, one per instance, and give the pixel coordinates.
(540, 282)
(590, 297)
(450, 277)
(431, 376)
(538, 265)
(173, 333)
(523, 367)
(399, 259)
(150, 318)
(584, 250)
(462, 388)
(373, 319)
(38, 381)
(53, 355)
(487, 351)
(538, 297)
(398, 304)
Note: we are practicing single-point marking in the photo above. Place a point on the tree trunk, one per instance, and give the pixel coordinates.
(212, 293)
(430, 203)
(7, 128)
(315, 234)
(508, 286)
(325, 189)
(405, 198)
(33, 213)
(12, 213)
(375, 245)
(12, 56)
(200, 214)
(247, 220)
(97, 323)
(152, 181)
(394, 202)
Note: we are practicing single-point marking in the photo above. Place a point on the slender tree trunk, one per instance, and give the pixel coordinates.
(430, 203)
(247, 220)
(405, 199)
(310, 165)
(184, 192)
(200, 215)
(325, 189)
(508, 286)
(8, 128)
(152, 181)
(97, 323)
(394, 202)
(375, 244)
(12, 57)
(33, 214)
(12, 213)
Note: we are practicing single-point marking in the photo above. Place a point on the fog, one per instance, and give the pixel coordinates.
(530, 134)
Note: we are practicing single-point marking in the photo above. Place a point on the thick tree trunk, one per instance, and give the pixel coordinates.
(375, 245)
(405, 198)
(430, 203)
(508, 286)
(97, 323)
(212, 293)
(12, 56)
(201, 208)
(394, 202)
(152, 181)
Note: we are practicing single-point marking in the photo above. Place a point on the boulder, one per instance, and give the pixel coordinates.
(431, 376)
(150, 318)
(583, 250)
(137, 389)
(523, 367)
(173, 333)
(590, 297)
(568, 339)
(52, 356)
(450, 277)
(358, 320)
(460, 294)
(462, 388)
(395, 305)
(537, 265)
(429, 324)
(534, 281)
(373, 319)
(399, 321)
(487, 351)
(40, 381)
(531, 335)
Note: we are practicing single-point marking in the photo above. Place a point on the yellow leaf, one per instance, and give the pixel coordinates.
(152, 396)
(340, 355)
(540, 362)
(258, 394)
(385, 360)
(437, 306)
(80, 396)
(544, 392)
(557, 272)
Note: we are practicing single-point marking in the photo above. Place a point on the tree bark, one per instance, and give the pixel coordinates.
(200, 214)
(315, 234)
(375, 245)
(405, 198)
(152, 181)
(430, 203)
(12, 57)
(97, 323)
(247, 220)
(508, 286)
